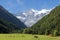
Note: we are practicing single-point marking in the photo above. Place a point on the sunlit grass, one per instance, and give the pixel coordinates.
(26, 37)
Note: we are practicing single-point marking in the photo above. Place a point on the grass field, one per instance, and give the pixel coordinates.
(26, 37)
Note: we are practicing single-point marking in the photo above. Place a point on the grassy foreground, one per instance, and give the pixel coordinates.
(26, 37)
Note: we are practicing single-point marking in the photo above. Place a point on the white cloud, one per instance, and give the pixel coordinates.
(10, 4)
(20, 2)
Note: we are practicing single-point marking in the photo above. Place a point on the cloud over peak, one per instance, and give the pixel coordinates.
(20, 2)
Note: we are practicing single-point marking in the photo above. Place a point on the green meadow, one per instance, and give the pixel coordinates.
(26, 37)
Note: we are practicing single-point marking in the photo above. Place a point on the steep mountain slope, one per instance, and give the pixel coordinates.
(30, 17)
(9, 22)
(48, 25)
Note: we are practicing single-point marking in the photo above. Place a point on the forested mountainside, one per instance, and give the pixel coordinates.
(49, 24)
(9, 22)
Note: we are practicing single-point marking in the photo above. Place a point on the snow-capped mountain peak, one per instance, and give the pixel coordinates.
(42, 11)
(34, 10)
(30, 17)
(24, 14)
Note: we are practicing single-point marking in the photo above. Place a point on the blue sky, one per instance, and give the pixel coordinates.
(15, 6)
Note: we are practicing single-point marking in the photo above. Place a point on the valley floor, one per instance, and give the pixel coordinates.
(26, 37)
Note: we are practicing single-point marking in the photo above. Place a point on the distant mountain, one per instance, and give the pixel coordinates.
(9, 21)
(30, 17)
(50, 24)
